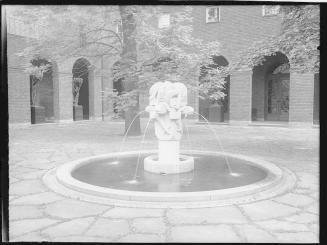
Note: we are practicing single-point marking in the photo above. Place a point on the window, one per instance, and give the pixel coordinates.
(164, 21)
(270, 10)
(212, 14)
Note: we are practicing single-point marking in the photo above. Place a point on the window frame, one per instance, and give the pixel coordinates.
(218, 14)
(165, 25)
(264, 13)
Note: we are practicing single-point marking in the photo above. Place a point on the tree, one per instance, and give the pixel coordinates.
(147, 53)
(299, 39)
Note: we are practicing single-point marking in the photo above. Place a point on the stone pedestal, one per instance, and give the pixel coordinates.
(168, 152)
(168, 160)
(167, 104)
(78, 112)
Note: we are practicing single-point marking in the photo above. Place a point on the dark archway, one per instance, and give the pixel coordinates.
(81, 69)
(204, 104)
(270, 89)
(43, 108)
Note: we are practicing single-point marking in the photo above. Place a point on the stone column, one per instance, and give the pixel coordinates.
(301, 98)
(240, 97)
(65, 97)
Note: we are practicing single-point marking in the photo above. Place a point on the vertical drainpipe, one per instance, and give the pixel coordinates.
(102, 89)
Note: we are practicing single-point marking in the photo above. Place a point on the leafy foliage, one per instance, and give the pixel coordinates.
(171, 53)
(299, 40)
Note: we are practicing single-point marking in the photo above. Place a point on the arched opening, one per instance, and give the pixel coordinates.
(316, 99)
(206, 107)
(42, 93)
(270, 89)
(81, 70)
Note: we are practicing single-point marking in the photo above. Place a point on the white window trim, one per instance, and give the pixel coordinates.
(264, 12)
(207, 8)
(166, 25)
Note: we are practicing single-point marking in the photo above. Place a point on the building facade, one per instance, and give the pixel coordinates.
(267, 93)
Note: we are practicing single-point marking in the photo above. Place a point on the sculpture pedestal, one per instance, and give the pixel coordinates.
(168, 161)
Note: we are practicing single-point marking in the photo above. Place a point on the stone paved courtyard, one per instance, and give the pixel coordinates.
(38, 214)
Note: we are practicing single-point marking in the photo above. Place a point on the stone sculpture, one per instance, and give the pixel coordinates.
(167, 104)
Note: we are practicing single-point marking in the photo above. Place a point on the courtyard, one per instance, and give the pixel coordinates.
(37, 213)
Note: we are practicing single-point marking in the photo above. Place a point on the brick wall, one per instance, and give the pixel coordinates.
(97, 97)
(240, 96)
(239, 26)
(18, 81)
(301, 97)
(65, 96)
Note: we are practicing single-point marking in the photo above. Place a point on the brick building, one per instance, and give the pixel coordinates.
(268, 93)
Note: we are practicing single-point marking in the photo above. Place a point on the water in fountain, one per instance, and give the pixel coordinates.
(124, 138)
(142, 142)
(221, 147)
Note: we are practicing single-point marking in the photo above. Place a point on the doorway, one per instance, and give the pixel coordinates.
(278, 97)
(81, 70)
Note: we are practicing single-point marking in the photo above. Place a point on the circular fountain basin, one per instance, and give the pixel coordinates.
(116, 178)
(152, 164)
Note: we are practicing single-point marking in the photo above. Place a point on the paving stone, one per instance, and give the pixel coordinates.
(74, 209)
(307, 180)
(302, 191)
(146, 238)
(108, 228)
(37, 174)
(149, 225)
(81, 239)
(267, 209)
(42, 164)
(314, 208)
(296, 200)
(228, 214)
(204, 233)
(26, 187)
(315, 195)
(21, 227)
(37, 199)
(253, 234)
(314, 228)
(298, 237)
(283, 226)
(58, 156)
(30, 237)
(20, 170)
(12, 197)
(13, 180)
(24, 212)
(120, 212)
(72, 227)
(303, 218)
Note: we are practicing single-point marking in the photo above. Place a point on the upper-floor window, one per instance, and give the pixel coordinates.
(269, 10)
(164, 21)
(212, 14)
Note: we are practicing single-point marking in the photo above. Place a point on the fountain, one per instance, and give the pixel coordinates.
(167, 104)
(169, 177)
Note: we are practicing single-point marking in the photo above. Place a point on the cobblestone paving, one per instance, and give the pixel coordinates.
(38, 214)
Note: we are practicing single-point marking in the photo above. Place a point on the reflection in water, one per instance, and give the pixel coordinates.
(210, 173)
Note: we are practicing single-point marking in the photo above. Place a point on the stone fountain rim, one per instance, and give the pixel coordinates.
(277, 181)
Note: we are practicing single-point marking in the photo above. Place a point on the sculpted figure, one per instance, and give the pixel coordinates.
(166, 106)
